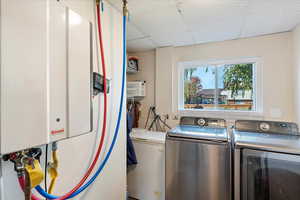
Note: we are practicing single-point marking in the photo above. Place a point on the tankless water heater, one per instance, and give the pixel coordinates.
(46, 74)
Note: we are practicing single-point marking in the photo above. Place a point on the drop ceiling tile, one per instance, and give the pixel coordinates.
(262, 17)
(203, 21)
(133, 32)
(163, 24)
(266, 17)
(215, 21)
(184, 39)
(140, 45)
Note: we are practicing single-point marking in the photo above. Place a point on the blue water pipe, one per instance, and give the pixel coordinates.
(41, 191)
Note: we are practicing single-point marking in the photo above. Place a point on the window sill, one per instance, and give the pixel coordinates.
(226, 114)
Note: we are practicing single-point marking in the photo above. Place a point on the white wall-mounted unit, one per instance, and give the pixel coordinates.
(136, 89)
(46, 68)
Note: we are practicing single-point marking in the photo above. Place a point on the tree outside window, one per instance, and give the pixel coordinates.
(219, 87)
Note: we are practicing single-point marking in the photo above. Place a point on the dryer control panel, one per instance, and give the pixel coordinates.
(267, 127)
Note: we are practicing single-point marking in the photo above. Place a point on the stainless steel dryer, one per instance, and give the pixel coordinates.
(267, 161)
(198, 160)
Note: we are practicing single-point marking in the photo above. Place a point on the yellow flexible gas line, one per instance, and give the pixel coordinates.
(53, 168)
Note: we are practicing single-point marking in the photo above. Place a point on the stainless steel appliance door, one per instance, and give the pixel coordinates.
(197, 170)
(270, 176)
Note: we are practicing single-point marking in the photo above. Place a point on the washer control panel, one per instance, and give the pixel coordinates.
(203, 122)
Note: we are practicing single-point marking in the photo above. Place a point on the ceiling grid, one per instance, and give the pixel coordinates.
(159, 23)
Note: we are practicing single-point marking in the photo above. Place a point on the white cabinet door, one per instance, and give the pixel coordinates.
(79, 75)
(58, 70)
(23, 74)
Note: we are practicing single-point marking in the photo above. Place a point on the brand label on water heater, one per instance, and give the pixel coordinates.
(54, 132)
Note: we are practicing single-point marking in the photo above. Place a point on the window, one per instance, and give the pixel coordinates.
(218, 86)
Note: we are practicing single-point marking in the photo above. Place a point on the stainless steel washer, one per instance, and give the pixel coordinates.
(266, 161)
(198, 160)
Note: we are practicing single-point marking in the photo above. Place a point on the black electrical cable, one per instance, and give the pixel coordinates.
(46, 164)
(149, 111)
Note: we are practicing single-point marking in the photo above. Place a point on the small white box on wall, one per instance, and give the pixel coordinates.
(136, 89)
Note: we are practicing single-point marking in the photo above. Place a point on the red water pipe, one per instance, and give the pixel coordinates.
(22, 185)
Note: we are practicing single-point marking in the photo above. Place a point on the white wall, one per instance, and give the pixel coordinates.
(296, 54)
(146, 73)
(164, 81)
(276, 55)
(275, 52)
(75, 154)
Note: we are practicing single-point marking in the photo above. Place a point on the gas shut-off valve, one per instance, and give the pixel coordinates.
(27, 164)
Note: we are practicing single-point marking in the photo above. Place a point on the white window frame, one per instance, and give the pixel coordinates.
(257, 89)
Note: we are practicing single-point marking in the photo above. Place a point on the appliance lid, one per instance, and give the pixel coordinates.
(201, 133)
(267, 141)
(147, 136)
